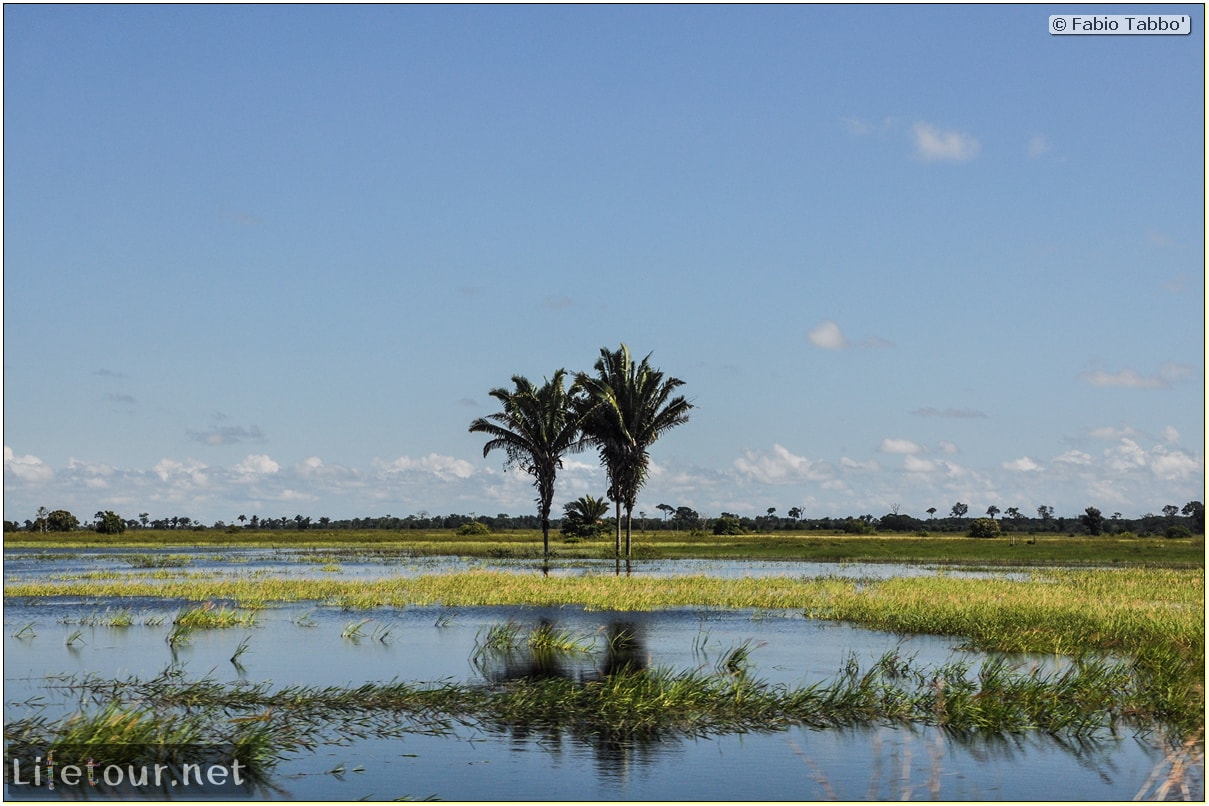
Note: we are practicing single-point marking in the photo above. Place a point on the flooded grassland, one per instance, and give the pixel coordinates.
(385, 675)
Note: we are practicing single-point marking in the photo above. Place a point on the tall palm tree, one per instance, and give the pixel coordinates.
(536, 427)
(625, 408)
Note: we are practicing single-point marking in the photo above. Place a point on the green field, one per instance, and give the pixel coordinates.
(1042, 549)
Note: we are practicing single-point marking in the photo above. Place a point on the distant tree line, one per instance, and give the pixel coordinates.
(110, 523)
(584, 519)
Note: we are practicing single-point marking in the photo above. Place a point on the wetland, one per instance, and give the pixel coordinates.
(384, 672)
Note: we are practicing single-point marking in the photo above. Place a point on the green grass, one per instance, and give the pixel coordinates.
(213, 617)
(1048, 549)
(157, 560)
(141, 734)
(1086, 698)
(122, 618)
(1155, 617)
(543, 640)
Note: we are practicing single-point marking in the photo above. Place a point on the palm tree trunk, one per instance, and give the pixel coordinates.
(629, 519)
(545, 537)
(617, 543)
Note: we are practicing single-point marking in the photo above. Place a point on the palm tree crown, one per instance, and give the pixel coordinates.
(625, 408)
(536, 427)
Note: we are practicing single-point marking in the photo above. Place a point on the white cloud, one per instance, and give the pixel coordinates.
(781, 467)
(257, 464)
(1126, 377)
(309, 466)
(864, 467)
(900, 446)
(1130, 471)
(1126, 456)
(443, 467)
(1038, 146)
(948, 447)
(92, 475)
(1074, 458)
(29, 468)
(1175, 465)
(1112, 433)
(1132, 379)
(1170, 434)
(1023, 465)
(932, 144)
(189, 471)
(914, 464)
(828, 336)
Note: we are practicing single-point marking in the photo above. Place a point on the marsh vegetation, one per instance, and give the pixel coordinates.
(1086, 658)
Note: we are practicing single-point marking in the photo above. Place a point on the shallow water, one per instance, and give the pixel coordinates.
(301, 644)
(324, 563)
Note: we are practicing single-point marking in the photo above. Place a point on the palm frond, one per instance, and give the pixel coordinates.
(534, 429)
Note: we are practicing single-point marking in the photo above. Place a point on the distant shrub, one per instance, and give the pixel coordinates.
(1127, 535)
(984, 527)
(1178, 531)
(61, 521)
(922, 533)
(898, 523)
(474, 528)
(110, 524)
(728, 526)
(855, 526)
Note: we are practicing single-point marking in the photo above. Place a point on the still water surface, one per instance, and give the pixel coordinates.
(303, 644)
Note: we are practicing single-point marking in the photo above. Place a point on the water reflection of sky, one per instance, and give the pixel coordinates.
(326, 563)
(302, 644)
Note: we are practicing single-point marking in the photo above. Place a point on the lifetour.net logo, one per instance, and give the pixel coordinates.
(124, 772)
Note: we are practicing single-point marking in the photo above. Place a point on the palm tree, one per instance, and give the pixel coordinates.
(625, 408)
(581, 517)
(588, 508)
(536, 427)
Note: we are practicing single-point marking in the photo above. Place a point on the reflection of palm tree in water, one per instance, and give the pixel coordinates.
(525, 663)
(625, 649)
(624, 652)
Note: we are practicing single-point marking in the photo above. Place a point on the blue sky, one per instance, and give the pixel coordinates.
(270, 260)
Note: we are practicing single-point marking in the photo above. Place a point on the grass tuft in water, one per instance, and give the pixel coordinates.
(240, 650)
(213, 617)
(157, 560)
(122, 734)
(1085, 698)
(122, 618)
